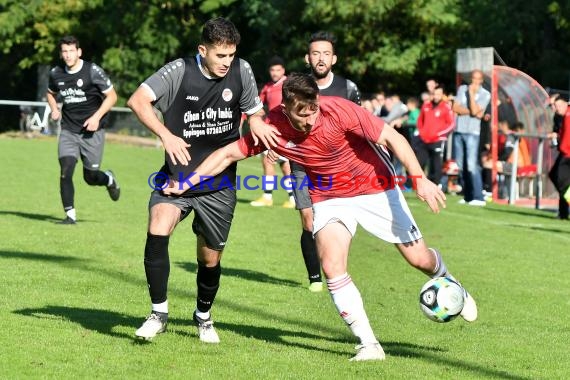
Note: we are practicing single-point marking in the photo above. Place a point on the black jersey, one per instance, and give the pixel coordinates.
(341, 87)
(203, 111)
(82, 92)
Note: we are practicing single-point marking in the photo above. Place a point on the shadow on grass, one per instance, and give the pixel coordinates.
(545, 214)
(102, 321)
(245, 274)
(38, 256)
(32, 216)
(543, 229)
(284, 337)
(433, 355)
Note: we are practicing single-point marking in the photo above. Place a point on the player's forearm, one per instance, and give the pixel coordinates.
(108, 103)
(51, 101)
(144, 111)
(216, 162)
(256, 120)
(402, 149)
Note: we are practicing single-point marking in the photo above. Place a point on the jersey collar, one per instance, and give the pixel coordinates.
(199, 60)
(328, 84)
(75, 71)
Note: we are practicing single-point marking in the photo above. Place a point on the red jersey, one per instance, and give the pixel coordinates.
(271, 93)
(564, 138)
(339, 154)
(435, 122)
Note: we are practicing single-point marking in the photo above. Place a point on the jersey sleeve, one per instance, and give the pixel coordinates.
(353, 92)
(100, 79)
(164, 84)
(249, 101)
(359, 121)
(51, 83)
(247, 146)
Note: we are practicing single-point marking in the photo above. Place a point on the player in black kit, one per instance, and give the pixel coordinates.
(202, 99)
(320, 58)
(88, 95)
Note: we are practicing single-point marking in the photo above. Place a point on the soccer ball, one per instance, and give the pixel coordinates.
(441, 299)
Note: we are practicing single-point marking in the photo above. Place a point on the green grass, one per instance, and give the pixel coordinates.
(72, 296)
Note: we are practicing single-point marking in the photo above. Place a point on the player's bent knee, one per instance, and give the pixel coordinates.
(90, 176)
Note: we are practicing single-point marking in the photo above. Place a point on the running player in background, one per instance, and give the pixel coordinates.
(202, 99)
(339, 145)
(270, 95)
(88, 95)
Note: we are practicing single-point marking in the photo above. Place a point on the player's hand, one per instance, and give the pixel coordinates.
(55, 114)
(91, 124)
(174, 188)
(429, 192)
(266, 133)
(272, 157)
(176, 148)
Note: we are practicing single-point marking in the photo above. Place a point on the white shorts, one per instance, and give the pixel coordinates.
(385, 215)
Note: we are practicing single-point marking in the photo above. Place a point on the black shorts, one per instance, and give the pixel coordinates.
(301, 193)
(213, 213)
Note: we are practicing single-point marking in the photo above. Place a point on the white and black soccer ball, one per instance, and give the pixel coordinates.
(441, 299)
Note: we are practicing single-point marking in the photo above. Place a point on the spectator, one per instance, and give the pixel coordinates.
(469, 105)
(435, 122)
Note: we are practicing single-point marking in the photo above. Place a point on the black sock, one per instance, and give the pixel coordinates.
(157, 266)
(208, 282)
(309, 249)
(67, 191)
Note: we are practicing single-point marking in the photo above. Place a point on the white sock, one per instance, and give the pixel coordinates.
(205, 315)
(268, 195)
(348, 302)
(291, 199)
(440, 268)
(71, 213)
(160, 307)
(269, 183)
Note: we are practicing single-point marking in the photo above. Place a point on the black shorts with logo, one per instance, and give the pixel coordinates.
(213, 213)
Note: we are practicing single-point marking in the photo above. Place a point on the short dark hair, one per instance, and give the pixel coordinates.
(439, 85)
(323, 36)
(300, 90)
(220, 31)
(276, 60)
(68, 40)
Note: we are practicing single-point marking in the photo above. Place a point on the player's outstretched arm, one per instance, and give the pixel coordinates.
(426, 190)
(262, 131)
(214, 164)
(141, 104)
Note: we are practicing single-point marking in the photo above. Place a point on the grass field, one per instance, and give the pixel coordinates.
(72, 296)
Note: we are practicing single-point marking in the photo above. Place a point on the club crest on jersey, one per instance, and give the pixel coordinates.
(79, 82)
(227, 94)
(290, 144)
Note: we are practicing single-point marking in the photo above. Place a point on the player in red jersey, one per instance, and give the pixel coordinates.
(337, 143)
(560, 172)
